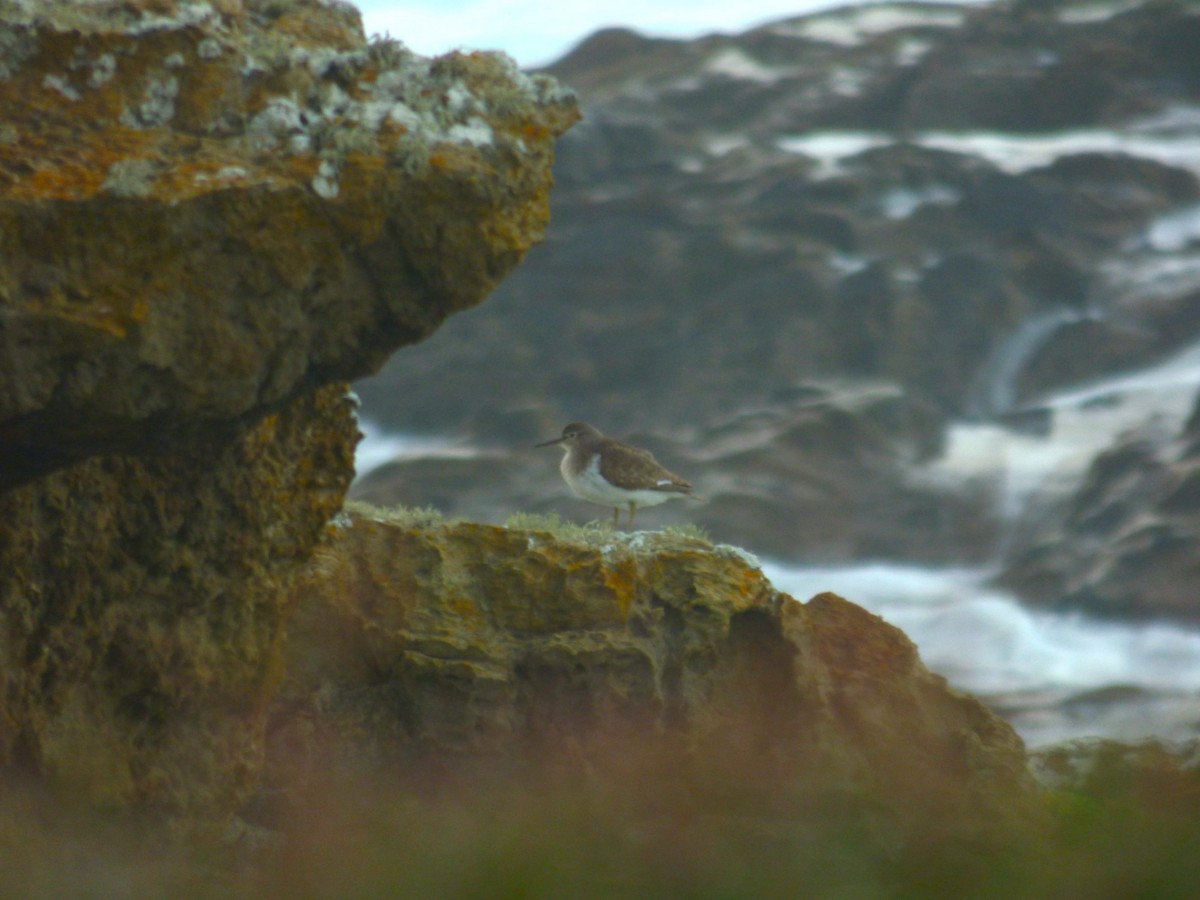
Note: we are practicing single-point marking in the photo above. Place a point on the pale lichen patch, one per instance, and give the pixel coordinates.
(388, 100)
(130, 178)
(17, 44)
(126, 18)
(157, 106)
(60, 84)
(103, 70)
(406, 517)
(325, 182)
(209, 49)
(744, 556)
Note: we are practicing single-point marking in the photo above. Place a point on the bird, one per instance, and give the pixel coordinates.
(607, 472)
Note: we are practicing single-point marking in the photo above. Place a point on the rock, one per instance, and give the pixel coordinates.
(830, 480)
(1125, 542)
(1082, 350)
(143, 604)
(210, 215)
(207, 210)
(419, 641)
(720, 237)
(1029, 67)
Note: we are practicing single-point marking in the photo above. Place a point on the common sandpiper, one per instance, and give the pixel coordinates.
(606, 472)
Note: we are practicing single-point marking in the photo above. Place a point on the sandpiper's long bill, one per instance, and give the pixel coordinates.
(606, 472)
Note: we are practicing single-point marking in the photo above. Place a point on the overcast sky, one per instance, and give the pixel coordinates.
(536, 32)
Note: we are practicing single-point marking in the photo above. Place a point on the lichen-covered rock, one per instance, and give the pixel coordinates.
(417, 641)
(207, 208)
(211, 213)
(142, 604)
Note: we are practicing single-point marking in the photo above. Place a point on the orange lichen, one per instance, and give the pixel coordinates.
(535, 132)
(621, 579)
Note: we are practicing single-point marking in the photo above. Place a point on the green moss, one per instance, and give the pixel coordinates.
(596, 532)
(131, 178)
(690, 531)
(337, 138)
(552, 523)
(403, 516)
(412, 155)
(386, 52)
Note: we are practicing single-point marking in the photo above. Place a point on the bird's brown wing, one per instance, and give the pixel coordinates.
(633, 469)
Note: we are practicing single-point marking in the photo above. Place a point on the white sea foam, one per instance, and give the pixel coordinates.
(850, 27)
(1013, 153)
(902, 202)
(1030, 662)
(734, 63)
(1091, 13)
(985, 642)
(379, 447)
(1174, 231)
(830, 148)
(1083, 420)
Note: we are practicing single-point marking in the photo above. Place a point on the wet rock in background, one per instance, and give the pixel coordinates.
(1124, 542)
(719, 236)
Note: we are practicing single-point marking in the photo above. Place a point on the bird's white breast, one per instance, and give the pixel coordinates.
(589, 485)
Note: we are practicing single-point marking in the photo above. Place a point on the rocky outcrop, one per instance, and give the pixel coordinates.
(143, 606)
(210, 215)
(417, 640)
(207, 209)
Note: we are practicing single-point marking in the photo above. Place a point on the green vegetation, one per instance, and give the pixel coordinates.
(598, 531)
(595, 533)
(404, 516)
(387, 52)
(631, 825)
(591, 533)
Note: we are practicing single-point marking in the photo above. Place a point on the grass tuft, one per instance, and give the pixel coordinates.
(596, 532)
(404, 516)
(589, 533)
(690, 531)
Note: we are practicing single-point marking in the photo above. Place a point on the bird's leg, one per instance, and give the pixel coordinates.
(616, 517)
(632, 513)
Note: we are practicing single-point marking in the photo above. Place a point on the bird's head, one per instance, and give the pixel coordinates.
(573, 434)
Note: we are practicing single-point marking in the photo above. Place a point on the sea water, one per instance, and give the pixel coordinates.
(1053, 675)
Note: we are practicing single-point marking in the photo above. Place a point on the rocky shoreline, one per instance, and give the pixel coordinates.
(218, 678)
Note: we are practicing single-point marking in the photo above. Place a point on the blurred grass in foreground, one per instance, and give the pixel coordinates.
(618, 826)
